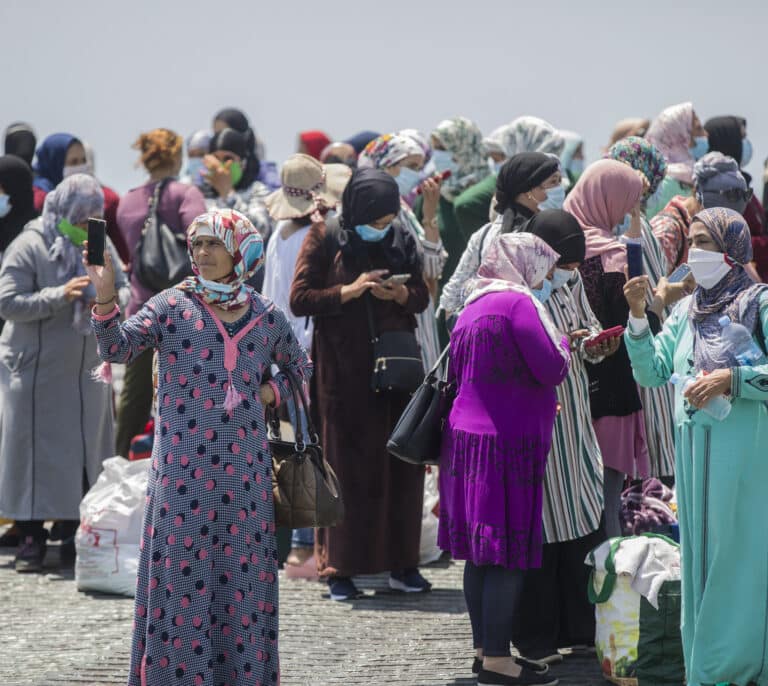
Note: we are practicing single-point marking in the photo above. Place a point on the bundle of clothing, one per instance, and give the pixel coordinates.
(647, 507)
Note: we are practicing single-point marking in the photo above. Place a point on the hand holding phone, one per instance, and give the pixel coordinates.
(395, 280)
(606, 334)
(97, 232)
(680, 274)
(439, 177)
(634, 259)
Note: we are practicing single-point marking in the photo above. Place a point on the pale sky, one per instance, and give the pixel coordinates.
(104, 71)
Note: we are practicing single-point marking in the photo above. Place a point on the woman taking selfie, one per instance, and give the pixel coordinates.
(720, 463)
(208, 568)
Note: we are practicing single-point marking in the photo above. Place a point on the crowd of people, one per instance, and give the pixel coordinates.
(510, 251)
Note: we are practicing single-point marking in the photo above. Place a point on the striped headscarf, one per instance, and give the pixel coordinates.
(670, 132)
(643, 156)
(464, 140)
(242, 241)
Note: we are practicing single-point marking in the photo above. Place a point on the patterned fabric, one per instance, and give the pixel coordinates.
(463, 139)
(420, 139)
(242, 241)
(75, 199)
(206, 609)
(670, 132)
(525, 134)
(388, 150)
(571, 143)
(516, 262)
(670, 227)
(250, 202)
(736, 295)
(639, 154)
(605, 193)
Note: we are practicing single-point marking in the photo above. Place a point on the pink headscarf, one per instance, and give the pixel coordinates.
(606, 191)
(670, 132)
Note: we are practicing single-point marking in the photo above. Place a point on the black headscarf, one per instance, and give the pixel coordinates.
(521, 173)
(725, 135)
(562, 232)
(370, 195)
(20, 140)
(16, 180)
(235, 119)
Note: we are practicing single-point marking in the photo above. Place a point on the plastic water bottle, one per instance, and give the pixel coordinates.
(740, 342)
(718, 408)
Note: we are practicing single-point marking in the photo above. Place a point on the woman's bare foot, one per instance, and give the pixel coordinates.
(502, 665)
(298, 556)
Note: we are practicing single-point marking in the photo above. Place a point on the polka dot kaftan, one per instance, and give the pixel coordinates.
(207, 595)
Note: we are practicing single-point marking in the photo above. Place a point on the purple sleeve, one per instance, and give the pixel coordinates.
(543, 356)
(192, 205)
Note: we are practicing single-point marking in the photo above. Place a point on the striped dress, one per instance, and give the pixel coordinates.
(658, 403)
(573, 484)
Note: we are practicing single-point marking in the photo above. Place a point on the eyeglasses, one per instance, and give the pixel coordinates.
(733, 194)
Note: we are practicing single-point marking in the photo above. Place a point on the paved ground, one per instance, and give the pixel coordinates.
(52, 635)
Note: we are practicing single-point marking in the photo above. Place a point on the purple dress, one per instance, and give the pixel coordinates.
(206, 597)
(498, 432)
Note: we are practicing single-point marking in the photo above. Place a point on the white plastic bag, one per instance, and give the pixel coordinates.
(429, 550)
(111, 516)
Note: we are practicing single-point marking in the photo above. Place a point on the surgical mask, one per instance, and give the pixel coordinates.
(746, 151)
(77, 169)
(700, 147)
(708, 268)
(236, 172)
(407, 180)
(196, 170)
(577, 167)
(542, 294)
(622, 228)
(561, 277)
(5, 205)
(555, 198)
(75, 234)
(443, 161)
(371, 235)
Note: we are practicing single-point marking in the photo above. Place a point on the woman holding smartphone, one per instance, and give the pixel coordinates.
(339, 276)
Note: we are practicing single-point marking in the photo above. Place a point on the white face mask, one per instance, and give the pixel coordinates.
(77, 169)
(562, 277)
(708, 268)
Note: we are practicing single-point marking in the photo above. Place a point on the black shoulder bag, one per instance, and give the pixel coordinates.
(161, 258)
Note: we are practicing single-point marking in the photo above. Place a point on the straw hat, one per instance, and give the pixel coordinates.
(308, 185)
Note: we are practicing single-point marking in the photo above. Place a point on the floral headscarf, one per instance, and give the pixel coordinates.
(643, 156)
(75, 199)
(525, 134)
(420, 139)
(387, 151)
(242, 241)
(736, 295)
(464, 140)
(517, 262)
(670, 132)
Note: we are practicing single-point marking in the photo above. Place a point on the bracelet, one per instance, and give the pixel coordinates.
(106, 302)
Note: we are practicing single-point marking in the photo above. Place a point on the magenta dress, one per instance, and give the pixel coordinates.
(499, 432)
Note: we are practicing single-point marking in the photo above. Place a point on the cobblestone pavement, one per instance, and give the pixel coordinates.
(52, 635)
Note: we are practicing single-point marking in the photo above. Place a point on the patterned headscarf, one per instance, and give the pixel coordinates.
(571, 143)
(670, 132)
(604, 194)
(464, 140)
(75, 199)
(643, 156)
(736, 295)
(420, 139)
(517, 262)
(242, 241)
(525, 134)
(387, 151)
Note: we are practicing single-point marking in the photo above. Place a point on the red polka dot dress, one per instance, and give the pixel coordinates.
(207, 595)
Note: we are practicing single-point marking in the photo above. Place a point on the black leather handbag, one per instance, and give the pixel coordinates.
(305, 489)
(397, 365)
(161, 259)
(417, 435)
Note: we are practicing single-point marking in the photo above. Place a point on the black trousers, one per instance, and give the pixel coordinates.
(492, 594)
(35, 529)
(554, 611)
(135, 402)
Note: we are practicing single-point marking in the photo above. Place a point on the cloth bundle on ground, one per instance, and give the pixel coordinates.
(635, 587)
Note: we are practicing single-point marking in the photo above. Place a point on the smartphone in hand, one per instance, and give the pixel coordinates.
(634, 259)
(97, 241)
(396, 280)
(680, 274)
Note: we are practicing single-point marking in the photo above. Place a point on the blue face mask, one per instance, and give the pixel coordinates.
(196, 169)
(746, 151)
(622, 228)
(5, 205)
(555, 199)
(561, 277)
(577, 167)
(407, 180)
(371, 235)
(443, 161)
(700, 147)
(542, 294)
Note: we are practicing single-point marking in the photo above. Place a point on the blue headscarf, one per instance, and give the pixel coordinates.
(361, 139)
(736, 295)
(49, 165)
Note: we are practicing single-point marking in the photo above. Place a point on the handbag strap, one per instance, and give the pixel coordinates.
(154, 202)
(300, 403)
(371, 319)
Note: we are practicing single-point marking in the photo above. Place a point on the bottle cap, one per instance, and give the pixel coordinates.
(675, 378)
(724, 320)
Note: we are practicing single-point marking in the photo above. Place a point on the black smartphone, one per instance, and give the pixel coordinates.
(634, 259)
(97, 239)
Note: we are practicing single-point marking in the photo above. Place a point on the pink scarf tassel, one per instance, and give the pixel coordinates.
(102, 373)
(232, 399)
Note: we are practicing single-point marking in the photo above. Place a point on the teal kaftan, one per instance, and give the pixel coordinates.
(721, 472)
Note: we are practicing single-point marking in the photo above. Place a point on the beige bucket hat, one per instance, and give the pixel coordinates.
(308, 185)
